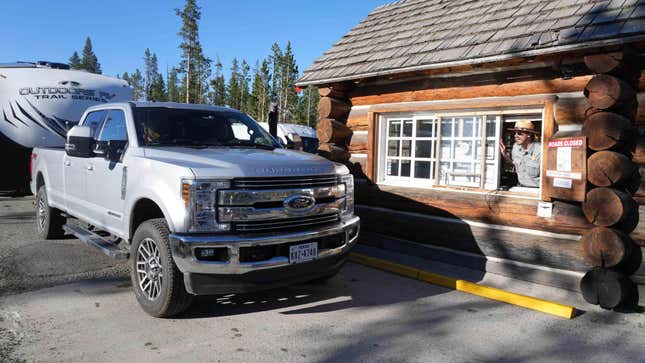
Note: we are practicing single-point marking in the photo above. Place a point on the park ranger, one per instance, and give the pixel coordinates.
(526, 154)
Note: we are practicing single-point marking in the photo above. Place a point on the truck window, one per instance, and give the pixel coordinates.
(95, 120)
(115, 127)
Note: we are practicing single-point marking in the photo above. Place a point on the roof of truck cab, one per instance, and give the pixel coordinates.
(174, 105)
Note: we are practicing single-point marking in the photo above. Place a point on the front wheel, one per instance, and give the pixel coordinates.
(158, 284)
(49, 220)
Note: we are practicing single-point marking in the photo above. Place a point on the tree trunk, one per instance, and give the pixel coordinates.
(608, 92)
(606, 207)
(332, 131)
(333, 152)
(605, 247)
(333, 108)
(608, 168)
(606, 130)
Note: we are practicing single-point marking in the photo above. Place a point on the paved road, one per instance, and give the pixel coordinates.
(362, 315)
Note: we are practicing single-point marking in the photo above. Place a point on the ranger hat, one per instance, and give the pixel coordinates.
(524, 125)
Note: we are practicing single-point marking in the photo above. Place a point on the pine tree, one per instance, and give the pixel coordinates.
(148, 73)
(233, 89)
(90, 62)
(75, 61)
(194, 65)
(259, 99)
(244, 85)
(307, 113)
(136, 82)
(218, 94)
(288, 85)
(174, 89)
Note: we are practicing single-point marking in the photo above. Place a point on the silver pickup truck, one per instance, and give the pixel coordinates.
(200, 199)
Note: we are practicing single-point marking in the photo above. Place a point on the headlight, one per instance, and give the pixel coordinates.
(200, 196)
(348, 182)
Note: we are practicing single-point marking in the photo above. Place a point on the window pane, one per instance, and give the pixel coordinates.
(464, 150)
(407, 128)
(424, 128)
(392, 167)
(95, 120)
(423, 149)
(393, 148)
(446, 152)
(395, 128)
(466, 126)
(407, 148)
(491, 125)
(422, 169)
(446, 127)
(114, 128)
(490, 149)
(405, 167)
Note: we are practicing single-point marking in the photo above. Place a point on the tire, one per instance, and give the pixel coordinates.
(49, 220)
(157, 282)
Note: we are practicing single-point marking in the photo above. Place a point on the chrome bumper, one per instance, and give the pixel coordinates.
(183, 248)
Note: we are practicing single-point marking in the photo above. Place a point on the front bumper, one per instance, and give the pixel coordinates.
(184, 247)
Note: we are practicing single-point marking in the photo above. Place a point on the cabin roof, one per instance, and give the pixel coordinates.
(413, 35)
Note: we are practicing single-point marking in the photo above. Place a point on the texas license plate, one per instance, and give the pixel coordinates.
(304, 252)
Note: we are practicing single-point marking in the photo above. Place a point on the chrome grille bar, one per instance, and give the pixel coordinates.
(243, 214)
(248, 197)
(284, 182)
(284, 224)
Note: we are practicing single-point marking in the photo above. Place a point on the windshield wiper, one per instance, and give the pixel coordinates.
(244, 143)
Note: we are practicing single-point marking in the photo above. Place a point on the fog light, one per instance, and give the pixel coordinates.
(212, 254)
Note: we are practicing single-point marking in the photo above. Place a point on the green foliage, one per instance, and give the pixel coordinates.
(75, 61)
(174, 90)
(136, 82)
(218, 94)
(194, 65)
(90, 62)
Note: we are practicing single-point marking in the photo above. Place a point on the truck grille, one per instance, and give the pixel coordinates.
(284, 182)
(285, 224)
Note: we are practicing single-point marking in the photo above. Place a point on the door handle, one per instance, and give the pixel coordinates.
(90, 167)
(68, 162)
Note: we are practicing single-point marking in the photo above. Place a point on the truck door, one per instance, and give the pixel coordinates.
(107, 177)
(75, 170)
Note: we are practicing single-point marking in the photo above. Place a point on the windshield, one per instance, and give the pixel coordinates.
(158, 126)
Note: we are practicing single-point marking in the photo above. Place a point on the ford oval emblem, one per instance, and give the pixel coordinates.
(299, 203)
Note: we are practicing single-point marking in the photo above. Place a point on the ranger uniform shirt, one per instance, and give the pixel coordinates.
(527, 164)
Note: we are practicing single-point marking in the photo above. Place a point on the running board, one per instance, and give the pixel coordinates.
(97, 241)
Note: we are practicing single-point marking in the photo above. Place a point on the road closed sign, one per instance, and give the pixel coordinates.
(566, 171)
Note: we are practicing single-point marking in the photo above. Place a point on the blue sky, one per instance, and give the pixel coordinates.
(121, 30)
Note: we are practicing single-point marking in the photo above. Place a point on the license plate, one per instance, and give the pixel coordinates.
(304, 252)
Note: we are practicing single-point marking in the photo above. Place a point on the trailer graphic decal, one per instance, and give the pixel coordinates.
(55, 125)
(4, 114)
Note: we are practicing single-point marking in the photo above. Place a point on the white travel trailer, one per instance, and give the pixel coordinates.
(39, 102)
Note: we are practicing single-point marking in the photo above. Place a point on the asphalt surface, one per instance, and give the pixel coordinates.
(361, 315)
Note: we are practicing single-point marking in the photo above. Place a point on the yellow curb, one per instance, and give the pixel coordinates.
(549, 307)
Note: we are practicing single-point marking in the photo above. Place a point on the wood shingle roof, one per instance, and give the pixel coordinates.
(411, 35)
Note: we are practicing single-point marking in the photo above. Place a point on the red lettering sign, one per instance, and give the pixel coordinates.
(572, 142)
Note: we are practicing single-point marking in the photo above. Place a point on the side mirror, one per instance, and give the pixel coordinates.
(79, 142)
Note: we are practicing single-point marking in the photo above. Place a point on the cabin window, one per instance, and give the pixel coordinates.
(456, 149)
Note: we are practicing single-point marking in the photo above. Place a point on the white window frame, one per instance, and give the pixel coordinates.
(432, 183)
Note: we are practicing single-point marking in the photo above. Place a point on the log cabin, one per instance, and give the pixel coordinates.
(420, 100)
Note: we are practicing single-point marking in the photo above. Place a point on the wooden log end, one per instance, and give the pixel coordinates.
(606, 288)
(605, 247)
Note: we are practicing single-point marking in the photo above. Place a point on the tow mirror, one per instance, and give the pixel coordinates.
(79, 142)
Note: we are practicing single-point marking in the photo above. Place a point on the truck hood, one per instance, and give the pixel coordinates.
(244, 162)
